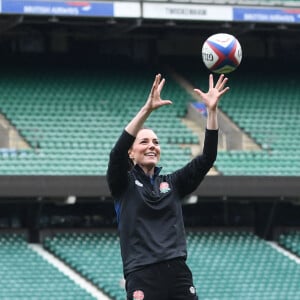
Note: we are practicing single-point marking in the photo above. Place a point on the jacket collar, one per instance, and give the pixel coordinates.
(140, 171)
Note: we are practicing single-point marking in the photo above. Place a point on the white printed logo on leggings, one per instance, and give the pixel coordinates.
(138, 295)
(192, 290)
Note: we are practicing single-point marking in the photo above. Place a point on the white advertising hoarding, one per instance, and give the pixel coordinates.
(127, 9)
(187, 12)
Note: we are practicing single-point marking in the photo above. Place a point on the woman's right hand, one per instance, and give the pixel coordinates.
(154, 100)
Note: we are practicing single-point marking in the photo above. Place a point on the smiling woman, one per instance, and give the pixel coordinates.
(145, 150)
(148, 204)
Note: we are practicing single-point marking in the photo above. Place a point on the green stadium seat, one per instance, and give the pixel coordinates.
(64, 110)
(229, 265)
(257, 107)
(26, 275)
(291, 241)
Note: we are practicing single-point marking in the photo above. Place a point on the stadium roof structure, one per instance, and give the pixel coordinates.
(135, 18)
(88, 187)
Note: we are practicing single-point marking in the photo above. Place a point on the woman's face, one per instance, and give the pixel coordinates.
(145, 150)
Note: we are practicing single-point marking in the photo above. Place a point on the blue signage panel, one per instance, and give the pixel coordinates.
(274, 15)
(62, 8)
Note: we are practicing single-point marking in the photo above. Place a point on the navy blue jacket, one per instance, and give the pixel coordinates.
(149, 211)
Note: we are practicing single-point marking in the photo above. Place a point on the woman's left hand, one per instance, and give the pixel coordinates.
(212, 97)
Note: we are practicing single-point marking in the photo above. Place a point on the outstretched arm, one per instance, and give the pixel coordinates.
(118, 161)
(211, 99)
(190, 176)
(153, 102)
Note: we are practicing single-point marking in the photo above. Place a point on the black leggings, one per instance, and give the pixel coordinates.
(167, 280)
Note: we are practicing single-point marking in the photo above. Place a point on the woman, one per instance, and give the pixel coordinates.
(148, 205)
